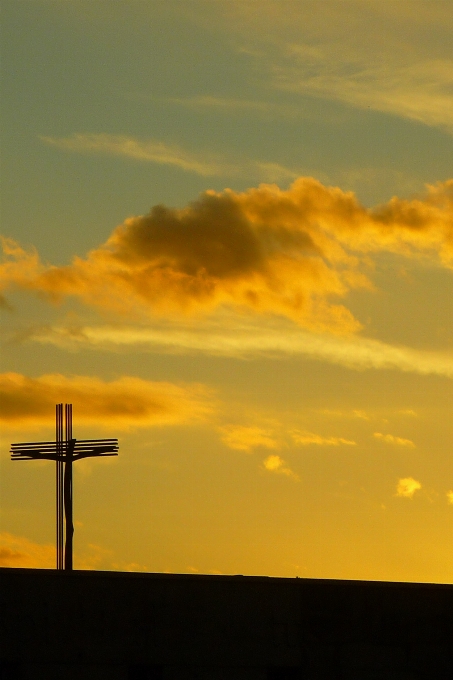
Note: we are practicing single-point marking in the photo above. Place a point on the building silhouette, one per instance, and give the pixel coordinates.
(81, 625)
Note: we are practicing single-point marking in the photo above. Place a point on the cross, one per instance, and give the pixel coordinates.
(64, 451)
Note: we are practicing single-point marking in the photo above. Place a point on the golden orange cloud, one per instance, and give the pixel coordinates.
(126, 402)
(17, 551)
(289, 253)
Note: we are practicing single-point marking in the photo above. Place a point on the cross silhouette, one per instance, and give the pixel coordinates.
(64, 451)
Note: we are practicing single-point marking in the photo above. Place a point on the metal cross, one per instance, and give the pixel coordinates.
(64, 451)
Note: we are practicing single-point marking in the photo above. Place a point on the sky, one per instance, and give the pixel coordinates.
(227, 234)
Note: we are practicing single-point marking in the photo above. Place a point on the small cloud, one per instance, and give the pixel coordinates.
(133, 566)
(450, 497)
(360, 414)
(274, 463)
(305, 438)
(407, 412)
(246, 438)
(336, 413)
(331, 412)
(193, 570)
(407, 486)
(392, 440)
(94, 557)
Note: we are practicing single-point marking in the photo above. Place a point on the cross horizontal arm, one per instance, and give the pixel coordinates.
(81, 448)
(32, 444)
(82, 444)
(79, 442)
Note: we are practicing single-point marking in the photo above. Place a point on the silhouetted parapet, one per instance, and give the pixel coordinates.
(102, 625)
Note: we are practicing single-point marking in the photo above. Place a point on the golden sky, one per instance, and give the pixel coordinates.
(228, 241)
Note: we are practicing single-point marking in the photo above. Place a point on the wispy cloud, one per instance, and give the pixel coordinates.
(245, 337)
(127, 401)
(355, 413)
(450, 497)
(418, 91)
(407, 486)
(155, 151)
(246, 438)
(231, 105)
(395, 441)
(374, 55)
(304, 438)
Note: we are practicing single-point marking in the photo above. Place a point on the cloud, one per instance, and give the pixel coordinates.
(17, 551)
(241, 336)
(274, 463)
(450, 497)
(125, 402)
(355, 413)
(20, 552)
(231, 105)
(418, 91)
(307, 438)
(93, 557)
(371, 55)
(407, 487)
(155, 151)
(246, 438)
(271, 251)
(396, 441)
(362, 415)
(150, 150)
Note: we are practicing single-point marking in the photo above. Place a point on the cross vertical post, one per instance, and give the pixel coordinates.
(59, 482)
(67, 487)
(65, 450)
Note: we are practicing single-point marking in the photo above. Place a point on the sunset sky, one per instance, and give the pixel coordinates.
(228, 242)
